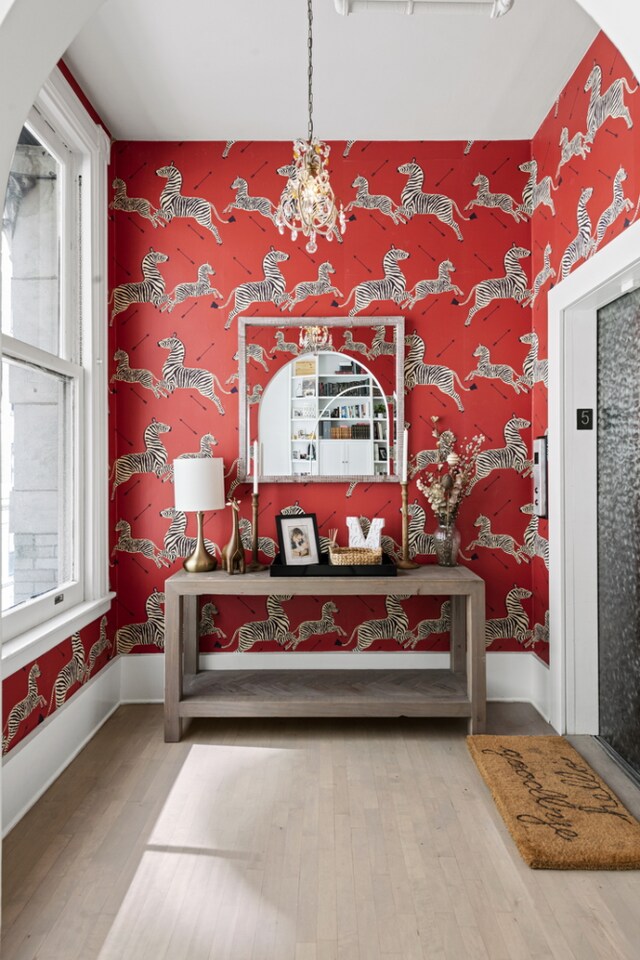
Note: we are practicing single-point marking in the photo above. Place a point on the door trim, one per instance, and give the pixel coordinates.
(572, 314)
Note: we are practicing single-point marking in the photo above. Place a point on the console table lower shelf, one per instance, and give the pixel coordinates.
(352, 692)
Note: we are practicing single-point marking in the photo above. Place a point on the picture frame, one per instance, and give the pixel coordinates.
(298, 538)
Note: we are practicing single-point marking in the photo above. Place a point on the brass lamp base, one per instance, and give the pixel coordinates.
(200, 560)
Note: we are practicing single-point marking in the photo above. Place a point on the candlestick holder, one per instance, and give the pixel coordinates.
(254, 564)
(405, 563)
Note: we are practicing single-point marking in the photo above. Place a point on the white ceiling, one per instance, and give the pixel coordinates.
(236, 69)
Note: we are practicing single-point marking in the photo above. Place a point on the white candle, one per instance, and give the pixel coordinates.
(255, 466)
(405, 454)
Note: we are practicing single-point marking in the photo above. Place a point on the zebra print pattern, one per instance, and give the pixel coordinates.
(254, 352)
(420, 374)
(153, 460)
(283, 346)
(129, 544)
(513, 286)
(496, 541)
(314, 628)
(515, 624)
(393, 627)
(576, 147)
(75, 671)
(176, 542)
(545, 274)
(535, 545)
(392, 287)
(350, 345)
(540, 632)
(243, 201)
(534, 370)
(608, 104)
(141, 376)
(271, 289)
(535, 193)
(134, 204)
(494, 201)
(179, 377)
(513, 456)
(413, 201)
(424, 458)
(618, 205)
(275, 627)
(379, 346)
(266, 545)
(495, 371)
(425, 628)
(207, 443)
(583, 244)
(441, 284)
(151, 289)
(173, 204)
(254, 394)
(206, 624)
(24, 708)
(380, 202)
(312, 288)
(201, 288)
(150, 633)
(102, 643)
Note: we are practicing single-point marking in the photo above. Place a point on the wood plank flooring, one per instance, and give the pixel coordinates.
(294, 840)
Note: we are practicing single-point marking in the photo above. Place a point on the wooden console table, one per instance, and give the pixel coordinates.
(458, 692)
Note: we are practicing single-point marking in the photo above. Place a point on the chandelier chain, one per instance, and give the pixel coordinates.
(310, 66)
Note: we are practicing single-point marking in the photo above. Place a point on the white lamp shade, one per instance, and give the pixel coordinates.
(199, 483)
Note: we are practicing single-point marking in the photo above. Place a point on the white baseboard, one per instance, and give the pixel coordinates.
(32, 766)
(510, 676)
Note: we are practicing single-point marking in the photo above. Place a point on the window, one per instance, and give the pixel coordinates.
(53, 399)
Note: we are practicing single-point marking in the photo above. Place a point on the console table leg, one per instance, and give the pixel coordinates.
(190, 638)
(458, 633)
(173, 674)
(476, 659)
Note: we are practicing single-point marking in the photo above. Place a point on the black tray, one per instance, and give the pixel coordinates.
(325, 569)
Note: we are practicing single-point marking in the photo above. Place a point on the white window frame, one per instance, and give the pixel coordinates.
(33, 628)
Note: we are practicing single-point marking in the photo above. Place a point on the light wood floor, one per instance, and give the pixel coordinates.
(294, 840)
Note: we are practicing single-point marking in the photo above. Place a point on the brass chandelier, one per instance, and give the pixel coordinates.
(308, 204)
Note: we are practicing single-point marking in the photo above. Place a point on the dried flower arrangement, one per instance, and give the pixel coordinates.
(445, 484)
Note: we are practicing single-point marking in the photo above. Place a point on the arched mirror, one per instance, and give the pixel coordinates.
(323, 400)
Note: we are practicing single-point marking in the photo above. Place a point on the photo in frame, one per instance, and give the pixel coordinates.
(298, 538)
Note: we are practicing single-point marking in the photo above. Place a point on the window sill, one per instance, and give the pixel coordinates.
(26, 648)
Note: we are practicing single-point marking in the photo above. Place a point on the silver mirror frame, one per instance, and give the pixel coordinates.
(397, 325)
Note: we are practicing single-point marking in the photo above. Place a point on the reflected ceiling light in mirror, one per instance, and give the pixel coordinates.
(308, 204)
(315, 338)
(497, 8)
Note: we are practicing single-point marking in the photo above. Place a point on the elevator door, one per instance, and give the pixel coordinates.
(618, 438)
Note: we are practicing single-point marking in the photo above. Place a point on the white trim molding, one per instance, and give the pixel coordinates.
(33, 628)
(34, 763)
(573, 583)
(510, 676)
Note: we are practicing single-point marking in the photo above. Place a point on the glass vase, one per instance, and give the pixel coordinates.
(446, 540)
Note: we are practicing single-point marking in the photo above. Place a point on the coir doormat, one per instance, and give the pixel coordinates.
(561, 815)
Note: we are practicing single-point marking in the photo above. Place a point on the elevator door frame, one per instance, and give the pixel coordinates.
(573, 574)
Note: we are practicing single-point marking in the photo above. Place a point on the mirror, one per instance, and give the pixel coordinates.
(324, 399)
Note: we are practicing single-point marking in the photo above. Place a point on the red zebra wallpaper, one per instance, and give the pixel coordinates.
(192, 232)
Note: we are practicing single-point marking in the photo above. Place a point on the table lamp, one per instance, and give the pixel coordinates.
(199, 486)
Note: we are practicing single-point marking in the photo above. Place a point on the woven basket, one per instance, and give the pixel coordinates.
(355, 556)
